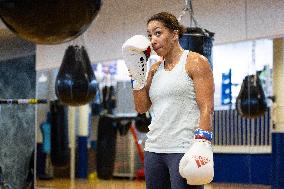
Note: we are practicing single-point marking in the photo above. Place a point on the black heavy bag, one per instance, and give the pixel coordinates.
(198, 40)
(142, 122)
(106, 147)
(251, 102)
(46, 21)
(30, 177)
(75, 83)
(59, 134)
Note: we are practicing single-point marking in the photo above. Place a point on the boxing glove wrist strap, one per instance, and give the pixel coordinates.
(203, 134)
(137, 85)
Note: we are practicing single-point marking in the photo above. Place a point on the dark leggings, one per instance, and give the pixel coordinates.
(161, 171)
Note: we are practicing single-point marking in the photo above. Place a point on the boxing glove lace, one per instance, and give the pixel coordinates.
(136, 51)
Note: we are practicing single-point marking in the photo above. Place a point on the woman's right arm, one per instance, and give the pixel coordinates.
(141, 97)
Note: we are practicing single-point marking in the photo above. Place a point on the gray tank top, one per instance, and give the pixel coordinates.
(174, 111)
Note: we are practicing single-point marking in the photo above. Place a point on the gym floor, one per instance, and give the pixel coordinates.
(123, 184)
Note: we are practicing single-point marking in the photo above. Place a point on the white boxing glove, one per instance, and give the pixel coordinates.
(197, 165)
(136, 51)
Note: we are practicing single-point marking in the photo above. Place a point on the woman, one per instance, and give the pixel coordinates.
(179, 95)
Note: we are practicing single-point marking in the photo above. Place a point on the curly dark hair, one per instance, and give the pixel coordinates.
(169, 21)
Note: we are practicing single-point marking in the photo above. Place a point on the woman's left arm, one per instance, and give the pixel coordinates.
(199, 70)
(202, 76)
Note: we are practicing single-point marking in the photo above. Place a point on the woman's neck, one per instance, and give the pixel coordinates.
(173, 56)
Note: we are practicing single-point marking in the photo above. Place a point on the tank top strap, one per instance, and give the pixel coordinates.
(184, 57)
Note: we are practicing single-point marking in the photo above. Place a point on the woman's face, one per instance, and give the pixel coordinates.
(162, 38)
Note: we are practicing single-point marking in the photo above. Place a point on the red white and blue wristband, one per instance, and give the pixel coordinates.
(203, 134)
(135, 85)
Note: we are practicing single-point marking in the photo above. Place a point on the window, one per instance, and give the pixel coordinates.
(239, 58)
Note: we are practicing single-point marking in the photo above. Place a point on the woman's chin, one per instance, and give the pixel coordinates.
(159, 52)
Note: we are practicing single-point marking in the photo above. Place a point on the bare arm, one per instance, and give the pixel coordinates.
(202, 76)
(141, 97)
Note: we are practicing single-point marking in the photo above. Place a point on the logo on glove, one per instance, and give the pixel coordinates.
(200, 161)
(147, 53)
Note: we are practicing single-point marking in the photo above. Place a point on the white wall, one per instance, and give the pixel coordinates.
(119, 19)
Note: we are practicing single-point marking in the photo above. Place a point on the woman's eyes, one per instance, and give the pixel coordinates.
(157, 33)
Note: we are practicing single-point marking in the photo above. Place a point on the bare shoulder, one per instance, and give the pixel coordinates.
(197, 64)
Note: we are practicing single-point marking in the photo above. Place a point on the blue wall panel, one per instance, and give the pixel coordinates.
(242, 168)
(278, 160)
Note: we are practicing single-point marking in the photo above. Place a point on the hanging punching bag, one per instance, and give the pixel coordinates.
(75, 83)
(48, 22)
(106, 147)
(198, 40)
(59, 152)
(251, 102)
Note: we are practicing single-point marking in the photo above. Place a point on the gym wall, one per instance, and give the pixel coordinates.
(121, 19)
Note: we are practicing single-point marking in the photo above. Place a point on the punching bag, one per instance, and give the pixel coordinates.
(250, 102)
(106, 147)
(198, 40)
(59, 134)
(48, 22)
(75, 83)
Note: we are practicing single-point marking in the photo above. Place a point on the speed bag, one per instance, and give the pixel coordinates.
(49, 22)
(75, 83)
(250, 102)
(198, 40)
